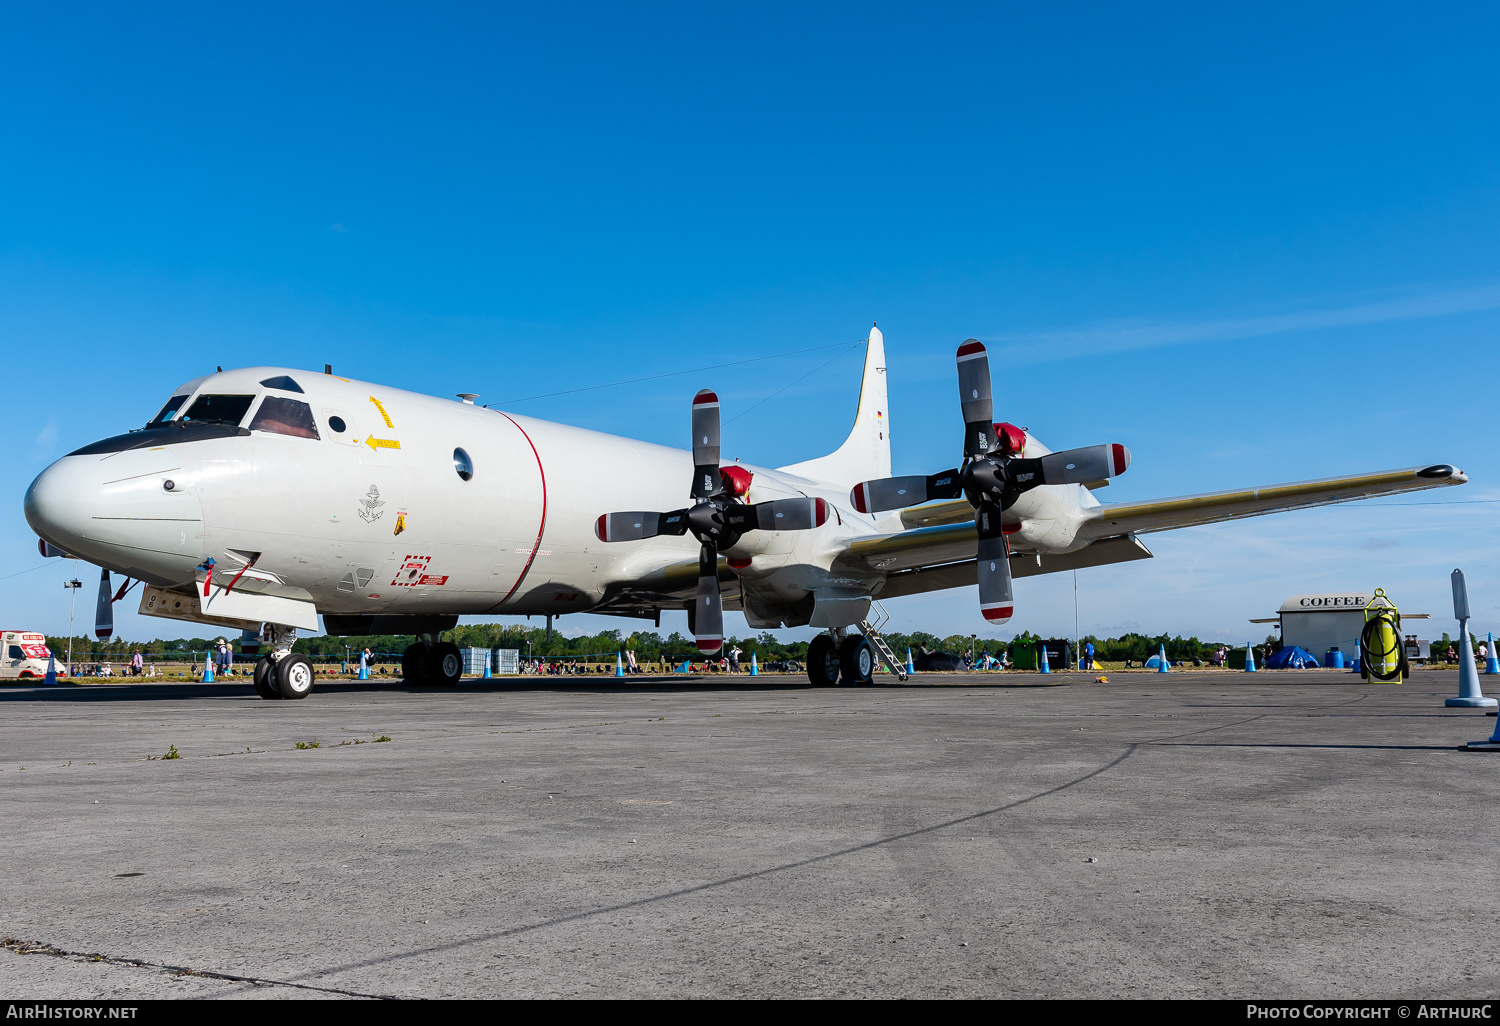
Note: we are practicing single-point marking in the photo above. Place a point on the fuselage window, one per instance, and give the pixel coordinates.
(285, 417)
(462, 464)
(337, 424)
(173, 405)
(282, 382)
(219, 409)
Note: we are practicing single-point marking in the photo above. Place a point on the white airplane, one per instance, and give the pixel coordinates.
(266, 497)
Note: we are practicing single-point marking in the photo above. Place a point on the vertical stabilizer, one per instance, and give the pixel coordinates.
(866, 453)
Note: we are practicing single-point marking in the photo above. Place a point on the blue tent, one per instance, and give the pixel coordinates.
(1292, 658)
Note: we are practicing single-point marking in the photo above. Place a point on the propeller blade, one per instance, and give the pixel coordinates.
(897, 492)
(996, 595)
(621, 527)
(1079, 466)
(104, 611)
(618, 527)
(790, 514)
(974, 395)
(706, 482)
(708, 613)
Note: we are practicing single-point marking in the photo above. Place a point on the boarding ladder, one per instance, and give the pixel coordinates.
(892, 664)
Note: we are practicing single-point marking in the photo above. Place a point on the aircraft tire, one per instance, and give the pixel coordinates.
(262, 677)
(857, 660)
(445, 666)
(294, 676)
(414, 665)
(823, 662)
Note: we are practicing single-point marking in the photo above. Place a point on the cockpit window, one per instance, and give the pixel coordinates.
(173, 405)
(282, 382)
(219, 409)
(285, 417)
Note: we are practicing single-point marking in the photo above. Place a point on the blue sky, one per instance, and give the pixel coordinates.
(1254, 244)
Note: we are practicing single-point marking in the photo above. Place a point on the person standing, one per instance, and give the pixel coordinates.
(734, 659)
(1088, 655)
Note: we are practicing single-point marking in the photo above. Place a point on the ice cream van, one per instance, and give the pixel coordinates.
(26, 655)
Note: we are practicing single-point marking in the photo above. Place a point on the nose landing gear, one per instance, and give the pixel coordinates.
(281, 673)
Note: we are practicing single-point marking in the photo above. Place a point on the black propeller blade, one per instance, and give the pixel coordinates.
(996, 597)
(104, 609)
(708, 609)
(706, 482)
(993, 477)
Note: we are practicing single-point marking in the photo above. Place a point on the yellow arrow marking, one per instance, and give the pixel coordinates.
(383, 414)
(382, 443)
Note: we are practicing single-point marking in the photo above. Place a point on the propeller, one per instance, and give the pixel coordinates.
(718, 518)
(993, 476)
(104, 612)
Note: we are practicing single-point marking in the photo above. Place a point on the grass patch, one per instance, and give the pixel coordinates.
(303, 746)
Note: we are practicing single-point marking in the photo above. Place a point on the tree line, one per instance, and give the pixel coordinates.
(649, 646)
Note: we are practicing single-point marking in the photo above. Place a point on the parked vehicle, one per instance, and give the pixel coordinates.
(26, 655)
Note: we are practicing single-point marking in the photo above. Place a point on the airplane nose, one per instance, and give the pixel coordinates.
(57, 506)
(133, 512)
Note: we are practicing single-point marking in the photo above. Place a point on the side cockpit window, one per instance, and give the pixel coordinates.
(219, 409)
(285, 417)
(168, 411)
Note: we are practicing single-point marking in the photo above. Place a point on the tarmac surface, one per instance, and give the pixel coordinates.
(1282, 835)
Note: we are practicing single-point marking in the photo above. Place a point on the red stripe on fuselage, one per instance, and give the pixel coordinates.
(541, 528)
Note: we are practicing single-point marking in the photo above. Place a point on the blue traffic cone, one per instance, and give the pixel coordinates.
(1161, 660)
(1044, 668)
(754, 666)
(208, 668)
(619, 664)
(1250, 659)
(911, 667)
(51, 678)
(487, 661)
(1491, 661)
(364, 669)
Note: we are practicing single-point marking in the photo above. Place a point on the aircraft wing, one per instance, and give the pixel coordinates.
(1211, 507)
(937, 549)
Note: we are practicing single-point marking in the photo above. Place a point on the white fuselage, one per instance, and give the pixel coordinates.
(376, 519)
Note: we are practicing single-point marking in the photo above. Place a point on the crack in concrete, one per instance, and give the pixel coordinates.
(23, 947)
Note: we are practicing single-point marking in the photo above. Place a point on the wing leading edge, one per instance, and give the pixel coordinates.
(1211, 507)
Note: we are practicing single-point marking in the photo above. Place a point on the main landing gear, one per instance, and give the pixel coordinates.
(840, 655)
(282, 673)
(432, 662)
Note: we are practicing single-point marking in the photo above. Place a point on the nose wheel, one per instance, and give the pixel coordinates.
(264, 677)
(291, 677)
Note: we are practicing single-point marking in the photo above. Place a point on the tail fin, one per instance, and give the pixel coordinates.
(866, 453)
